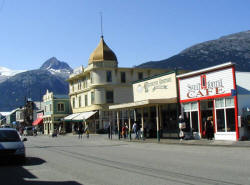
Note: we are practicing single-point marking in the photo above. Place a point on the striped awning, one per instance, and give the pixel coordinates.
(84, 116)
(70, 117)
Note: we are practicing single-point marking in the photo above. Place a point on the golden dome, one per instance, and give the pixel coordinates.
(101, 53)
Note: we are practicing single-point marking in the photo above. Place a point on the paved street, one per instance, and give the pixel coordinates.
(68, 160)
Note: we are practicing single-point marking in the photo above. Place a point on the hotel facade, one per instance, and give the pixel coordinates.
(101, 84)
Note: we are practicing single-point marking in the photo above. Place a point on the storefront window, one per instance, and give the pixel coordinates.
(225, 115)
(220, 120)
(187, 121)
(194, 105)
(219, 103)
(194, 121)
(191, 116)
(229, 102)
(186, 107)
(230, 120)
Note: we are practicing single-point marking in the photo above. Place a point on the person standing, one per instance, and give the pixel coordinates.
(182, 126)
(80, 131)
(109, 130)
(87, 130)
(134, 127)
(209, 128)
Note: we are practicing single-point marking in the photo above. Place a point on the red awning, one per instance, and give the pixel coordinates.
(37, 121)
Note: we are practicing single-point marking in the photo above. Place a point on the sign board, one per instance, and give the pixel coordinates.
(39, 115)
(208, 85)
(163, 87)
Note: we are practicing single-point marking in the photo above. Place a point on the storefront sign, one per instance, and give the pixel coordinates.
(157, 88)
(207, 85)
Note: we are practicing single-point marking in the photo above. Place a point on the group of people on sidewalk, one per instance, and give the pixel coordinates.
(208, 130)
(82, 130)
(124, 131)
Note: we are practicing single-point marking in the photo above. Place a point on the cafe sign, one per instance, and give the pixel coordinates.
(208, 85)
(162, 87)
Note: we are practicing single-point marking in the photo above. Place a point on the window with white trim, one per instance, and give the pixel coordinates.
(225, 114)
(60, 107)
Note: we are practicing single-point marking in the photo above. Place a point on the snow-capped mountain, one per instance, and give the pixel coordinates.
(5, 73)
(56, 67)
(34, 83)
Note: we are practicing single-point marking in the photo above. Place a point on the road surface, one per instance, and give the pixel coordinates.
(99, 161)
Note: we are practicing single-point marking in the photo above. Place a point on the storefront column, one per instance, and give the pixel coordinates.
(157, 123)
(160, 120)
(199, 118)
(134, 115)
(118, 125)
(142, 123)
(129, 124)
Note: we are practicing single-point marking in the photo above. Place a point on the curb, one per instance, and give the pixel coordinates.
(186, 143)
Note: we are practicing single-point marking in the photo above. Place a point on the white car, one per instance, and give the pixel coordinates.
(11, 145)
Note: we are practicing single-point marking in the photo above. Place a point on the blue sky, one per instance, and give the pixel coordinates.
(31, 31)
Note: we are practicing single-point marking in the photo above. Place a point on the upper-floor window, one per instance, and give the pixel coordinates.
(79, 84)
(92, 98)
(109, 96)
(140, 75)
(123, 77)
(86, 100)
(73, 86)
(50, 107)
(80, 101)
(91, 78)
(109, 76)
(74, 102)
(60, 107)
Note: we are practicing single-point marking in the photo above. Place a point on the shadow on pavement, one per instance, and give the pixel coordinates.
(13, 173)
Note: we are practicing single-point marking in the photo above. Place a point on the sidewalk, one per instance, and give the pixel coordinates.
(202, 142)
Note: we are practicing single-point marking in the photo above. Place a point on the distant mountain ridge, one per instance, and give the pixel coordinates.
(233, 47)
(34, 83)
(5, 73)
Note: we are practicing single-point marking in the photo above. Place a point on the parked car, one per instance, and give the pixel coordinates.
(28, 131)
(11, 145)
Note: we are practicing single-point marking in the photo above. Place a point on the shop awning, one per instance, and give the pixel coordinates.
(84, 116)
(70, 117)
(143, 103)
(37, 121)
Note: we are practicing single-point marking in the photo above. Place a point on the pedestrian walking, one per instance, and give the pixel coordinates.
(124, 131)
(87, 130)
(109, 130)
(182, 126)
(135, 130)
(80, 130)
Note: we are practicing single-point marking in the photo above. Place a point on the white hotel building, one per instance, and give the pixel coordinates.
(101, 84)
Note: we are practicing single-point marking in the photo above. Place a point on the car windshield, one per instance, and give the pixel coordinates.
(9, 136)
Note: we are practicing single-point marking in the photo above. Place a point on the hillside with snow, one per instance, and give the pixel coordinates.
(5, 73)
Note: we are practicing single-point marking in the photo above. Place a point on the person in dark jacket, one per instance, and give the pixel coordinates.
(80, 131)
(209, 128)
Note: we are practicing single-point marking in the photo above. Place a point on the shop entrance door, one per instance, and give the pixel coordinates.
(206, 111)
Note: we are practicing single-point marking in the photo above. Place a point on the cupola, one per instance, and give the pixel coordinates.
(102, 53)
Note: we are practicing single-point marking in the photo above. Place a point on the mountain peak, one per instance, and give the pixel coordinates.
(54, 64)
